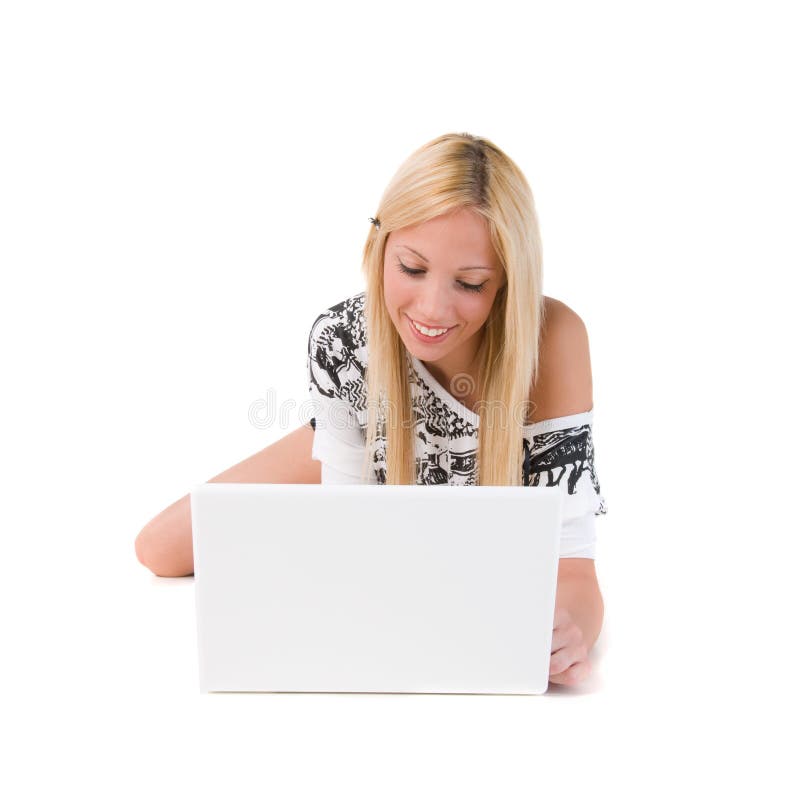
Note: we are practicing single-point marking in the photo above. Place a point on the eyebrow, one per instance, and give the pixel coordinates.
(419, 255)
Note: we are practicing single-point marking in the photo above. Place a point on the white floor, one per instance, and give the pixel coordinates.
(691, 694)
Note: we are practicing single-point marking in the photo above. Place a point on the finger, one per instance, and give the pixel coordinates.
(566, 657)
(559, 642)
(563, 660)
(575, 674)
(565, 636)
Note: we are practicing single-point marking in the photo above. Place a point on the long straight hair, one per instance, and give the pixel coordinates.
(454, 171)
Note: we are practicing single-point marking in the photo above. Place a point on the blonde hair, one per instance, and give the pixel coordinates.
(450, 172)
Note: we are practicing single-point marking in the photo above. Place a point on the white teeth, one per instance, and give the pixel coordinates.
(429, 331)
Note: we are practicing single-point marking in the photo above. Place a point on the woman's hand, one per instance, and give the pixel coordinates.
(569, 656)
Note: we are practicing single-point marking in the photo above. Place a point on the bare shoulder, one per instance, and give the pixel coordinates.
(564, 383)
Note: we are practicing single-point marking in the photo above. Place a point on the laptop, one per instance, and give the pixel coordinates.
(375, 588)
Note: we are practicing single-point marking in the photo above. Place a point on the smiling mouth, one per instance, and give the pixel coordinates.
(428, 334)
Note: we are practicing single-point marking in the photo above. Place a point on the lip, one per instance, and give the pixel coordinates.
(428, 339)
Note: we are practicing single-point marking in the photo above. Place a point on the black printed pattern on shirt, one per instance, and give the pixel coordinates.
(563, 455)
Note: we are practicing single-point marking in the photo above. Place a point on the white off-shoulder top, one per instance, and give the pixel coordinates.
(556, 452)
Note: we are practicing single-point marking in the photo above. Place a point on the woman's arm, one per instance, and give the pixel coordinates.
(579, 593)
(563, 387)
(577, 622)
(164, 545)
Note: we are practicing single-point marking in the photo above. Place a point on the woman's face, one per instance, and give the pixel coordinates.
(457, 276)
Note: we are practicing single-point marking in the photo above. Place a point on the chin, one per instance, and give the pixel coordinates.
(423, 353)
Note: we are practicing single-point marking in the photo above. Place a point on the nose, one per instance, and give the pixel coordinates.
(433, 302)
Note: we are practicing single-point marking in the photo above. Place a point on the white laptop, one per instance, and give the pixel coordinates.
(375, 588)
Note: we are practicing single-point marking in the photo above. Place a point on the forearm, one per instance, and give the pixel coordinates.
(581, 597)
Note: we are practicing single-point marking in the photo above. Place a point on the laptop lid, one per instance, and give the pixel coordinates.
(367, 588)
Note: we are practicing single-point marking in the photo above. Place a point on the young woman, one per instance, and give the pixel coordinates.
(474, 378)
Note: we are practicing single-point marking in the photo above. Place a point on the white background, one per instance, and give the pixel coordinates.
(185, 186)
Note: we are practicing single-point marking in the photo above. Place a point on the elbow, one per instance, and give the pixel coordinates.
(152, 554)
(140, 546)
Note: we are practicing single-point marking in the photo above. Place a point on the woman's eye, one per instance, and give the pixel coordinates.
(472, 287)
(469, 287)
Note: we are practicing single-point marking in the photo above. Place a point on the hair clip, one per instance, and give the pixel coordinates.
(376, 222)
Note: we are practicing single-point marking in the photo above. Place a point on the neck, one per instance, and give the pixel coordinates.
(459, 377)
